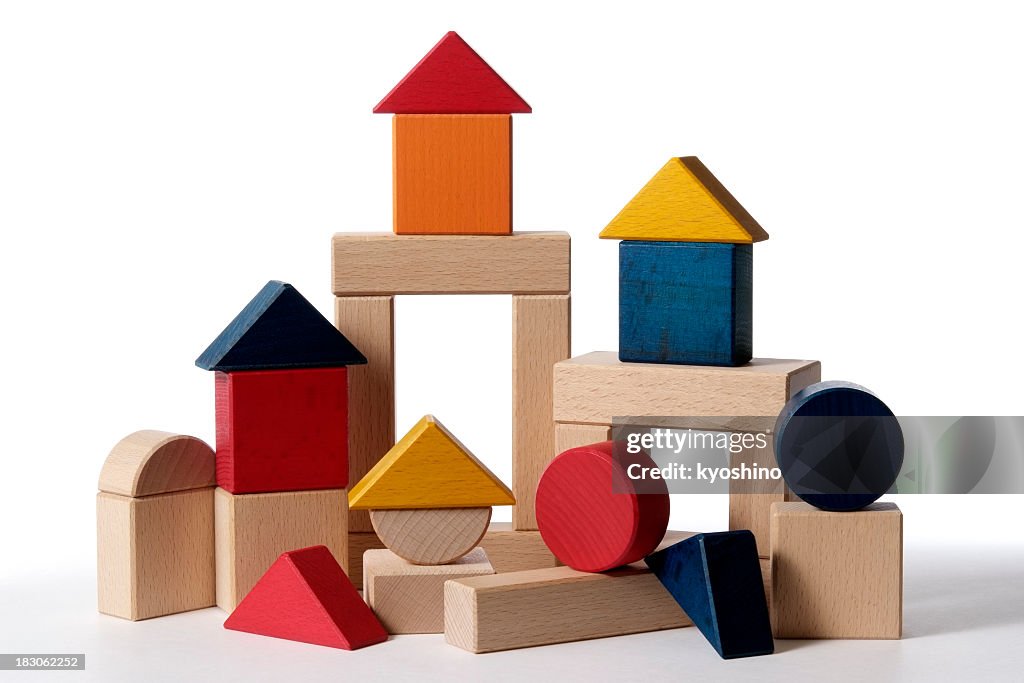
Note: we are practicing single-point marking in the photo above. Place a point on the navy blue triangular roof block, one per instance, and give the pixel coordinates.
(716, 579)
(279, 329)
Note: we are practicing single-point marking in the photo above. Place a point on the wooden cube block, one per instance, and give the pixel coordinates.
(409, 598)
(837, 574)
(452, 174)
(252, 530)
(155, 554)
(685, 302)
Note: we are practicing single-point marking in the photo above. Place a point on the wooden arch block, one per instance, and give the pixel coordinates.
(590, 514)
(306, 596)
(149, 462)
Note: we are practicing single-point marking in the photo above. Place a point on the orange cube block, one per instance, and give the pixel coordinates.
(452, 174)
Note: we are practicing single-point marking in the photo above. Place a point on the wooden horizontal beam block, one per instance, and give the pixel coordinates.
(369, 322)
(837, 574)
(409, 598)
(253, 530)
(559, 605)
(387, 264)
(511, 550)
(155, 555)
(597, 387)
(570, 435)
(541, 330)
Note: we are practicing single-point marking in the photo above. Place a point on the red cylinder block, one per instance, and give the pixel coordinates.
(590, 514)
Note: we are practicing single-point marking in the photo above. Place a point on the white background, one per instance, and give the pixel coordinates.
(160, 161)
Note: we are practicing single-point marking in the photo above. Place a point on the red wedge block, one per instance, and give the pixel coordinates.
(306, 596)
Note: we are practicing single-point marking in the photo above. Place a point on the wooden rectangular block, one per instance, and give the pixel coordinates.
(253, 530)
(540, 338)
(282, 430)
(369, 323)
(750, 500)
(837, 574)
(358, 543)
(597, 387)
(155, 554)
(570, 435)
(685, 302)
(557, 605)
(452, 174)
(387, 264)
(511, 550)
(409, 598)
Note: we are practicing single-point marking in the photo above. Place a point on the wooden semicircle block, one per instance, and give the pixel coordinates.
(149, 462)
(684, 202)
(428, 468)
(431, 537)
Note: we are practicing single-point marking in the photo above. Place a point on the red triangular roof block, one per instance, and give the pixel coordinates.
(452, 79)
(306, 596)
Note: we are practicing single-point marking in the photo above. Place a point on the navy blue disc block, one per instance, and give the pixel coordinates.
(688, 303)
(716, 579)
(838, 446)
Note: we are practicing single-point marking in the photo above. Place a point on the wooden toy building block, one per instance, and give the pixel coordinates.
(568, 435)
(383, 264)
(253, 530)
(685, 302)
(370, 321)
(409, 598)
(837, 574)
(452, 174)
(590, 513)
(592, 390)
(154, 518)
(716, 579)
(358, 543)
(514, 550)
(281, 390)
(305, 596)
(541, 332)
(525, 264)
(684, 202)
(431, 537)
(750, 500)
(557, 605)
(428, 468)
(452, 79)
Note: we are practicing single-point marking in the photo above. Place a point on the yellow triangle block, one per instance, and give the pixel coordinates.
(684, 202)
(428, 468)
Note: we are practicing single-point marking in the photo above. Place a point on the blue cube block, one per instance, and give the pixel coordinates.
(688, 303)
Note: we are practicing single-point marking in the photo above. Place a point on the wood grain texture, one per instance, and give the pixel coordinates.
(597, 387)
(428, 468)
(369, 321)
(716, 578)
(837, 574)
(431, 537)
(750, 500)
(452, 174)
(253, 530)
(282, 430)
(686, 303)
(590, 514)
(558, 605)
(511, 550)
(409, 598)
(570, 435)
(279, 329)
(452, 78)
(149, 462)
(358, 543)
(387, 264)
(155, 555)
(305, 596)
(684, 202)
(541, 331)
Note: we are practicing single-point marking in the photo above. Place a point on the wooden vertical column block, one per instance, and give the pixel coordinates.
(750, 500)
(540, 338)
(837, 574)
(409, 598)
(369, 323)
(154, 519)
(253, 530)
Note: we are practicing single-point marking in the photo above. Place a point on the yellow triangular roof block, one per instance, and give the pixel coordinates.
(684, 202)
(428, 468)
